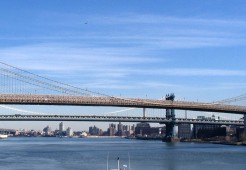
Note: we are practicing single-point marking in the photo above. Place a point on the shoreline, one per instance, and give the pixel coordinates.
(216, 142)
(147, 138)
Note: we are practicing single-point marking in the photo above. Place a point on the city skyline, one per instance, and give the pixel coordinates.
(116, 84)
(128, 50)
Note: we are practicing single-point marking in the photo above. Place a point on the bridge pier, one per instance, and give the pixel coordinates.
(170, 114)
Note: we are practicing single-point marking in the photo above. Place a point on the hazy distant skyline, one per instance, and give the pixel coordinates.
(195, 49)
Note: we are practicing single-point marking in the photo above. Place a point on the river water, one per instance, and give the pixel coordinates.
(91, 153)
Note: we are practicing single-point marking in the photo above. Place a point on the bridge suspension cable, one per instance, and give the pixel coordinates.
(13, 78)
(119, 111)
(23, 76)
(233, 99)
(17, 75)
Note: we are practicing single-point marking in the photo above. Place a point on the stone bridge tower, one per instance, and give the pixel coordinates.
(170, 114)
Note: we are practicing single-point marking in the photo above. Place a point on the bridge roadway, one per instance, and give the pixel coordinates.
(118, 102)
(20, 117)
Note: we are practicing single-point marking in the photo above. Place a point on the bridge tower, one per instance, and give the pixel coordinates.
(170, 114)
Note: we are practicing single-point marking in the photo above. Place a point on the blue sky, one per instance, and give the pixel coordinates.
(195, 49)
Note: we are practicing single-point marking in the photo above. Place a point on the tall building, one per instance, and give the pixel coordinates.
(142, 129)
(184, 131)
(112, 129)
(47, 131)
(123, 130)
(93, 130)
(132, 129)
(126, 127)
(69, 132)
(61, 129)
(120, 129)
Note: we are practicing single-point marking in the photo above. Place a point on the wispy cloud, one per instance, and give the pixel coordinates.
(110, 62)
(196, 72)
(164, 19)
(113, 58)
(56, 57)
(140, 31)
(167, 32)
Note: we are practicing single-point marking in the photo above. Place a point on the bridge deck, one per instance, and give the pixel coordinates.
(118, 102)
(19, 117)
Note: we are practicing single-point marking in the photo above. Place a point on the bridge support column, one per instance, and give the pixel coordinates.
(170, 114)
(144, 112)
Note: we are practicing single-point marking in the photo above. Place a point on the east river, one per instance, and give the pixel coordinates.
(92, 153)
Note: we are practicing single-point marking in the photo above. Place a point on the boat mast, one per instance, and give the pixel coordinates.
(118, 163)
(129, 161)
(107, 161)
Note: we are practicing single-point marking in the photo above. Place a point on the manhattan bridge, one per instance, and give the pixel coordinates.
(23, 88)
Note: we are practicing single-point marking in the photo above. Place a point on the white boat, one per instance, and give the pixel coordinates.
(3, 136)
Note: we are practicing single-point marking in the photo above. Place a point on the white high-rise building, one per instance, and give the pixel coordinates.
(69, 132)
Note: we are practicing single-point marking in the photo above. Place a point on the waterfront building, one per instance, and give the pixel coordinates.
(10, 132)
(47, 131)
(126, 128)
(120, 129)
(83, 134)
(69, 132)
(112, 129)
(184, 131)
(132, 129)
(207, 131)
(231, 133)
(61, 129)
(56, 132)
(231, 130)
(101, 132)
(123, 130)
(93, 130)
(143, 129)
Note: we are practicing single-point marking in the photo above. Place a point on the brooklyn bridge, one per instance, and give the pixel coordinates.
(20, 87)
